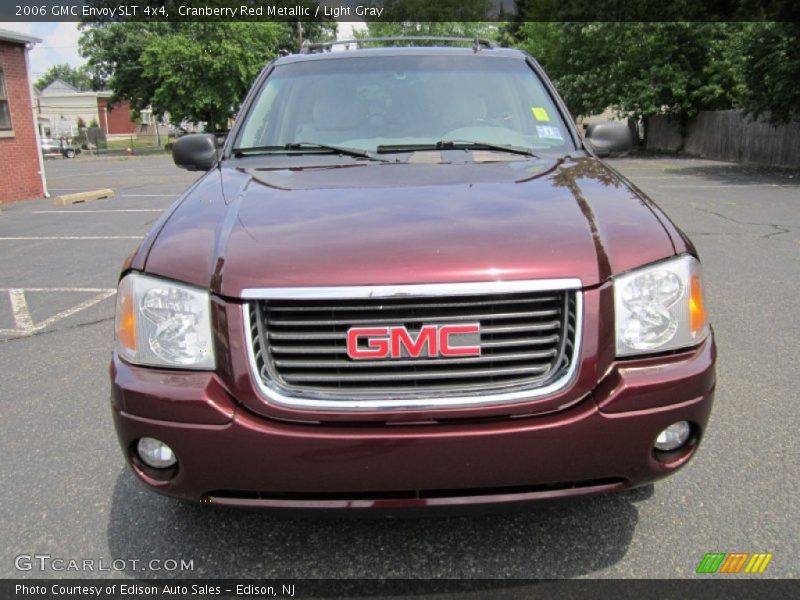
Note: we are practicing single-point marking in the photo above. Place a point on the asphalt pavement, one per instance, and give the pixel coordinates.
(67, 493)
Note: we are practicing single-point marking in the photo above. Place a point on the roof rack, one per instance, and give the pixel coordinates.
(477, 43)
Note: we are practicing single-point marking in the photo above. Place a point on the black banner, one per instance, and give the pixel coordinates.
(711, 587)
(399, 10)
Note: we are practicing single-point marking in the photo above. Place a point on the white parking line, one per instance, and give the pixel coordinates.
(72, 237)
(101, 210)
(19, 306)
(149, 195)
(22, 316)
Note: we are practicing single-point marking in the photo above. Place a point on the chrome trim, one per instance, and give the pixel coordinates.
(275, 396)
(401, 291)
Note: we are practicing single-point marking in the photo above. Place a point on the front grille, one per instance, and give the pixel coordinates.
(527, 340)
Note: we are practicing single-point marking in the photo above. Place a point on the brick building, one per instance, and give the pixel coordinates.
(116, 119)
(21, 167)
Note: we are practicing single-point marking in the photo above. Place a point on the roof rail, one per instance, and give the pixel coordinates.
(477, 43)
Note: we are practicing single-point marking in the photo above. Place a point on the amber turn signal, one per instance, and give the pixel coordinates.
(697, 309)
(125, 321)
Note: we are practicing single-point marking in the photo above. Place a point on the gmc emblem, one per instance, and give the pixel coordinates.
(398, 342)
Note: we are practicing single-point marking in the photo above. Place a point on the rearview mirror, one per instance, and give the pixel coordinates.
(610, 138)
(195, 152)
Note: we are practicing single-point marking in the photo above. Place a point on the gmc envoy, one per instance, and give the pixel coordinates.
(405, 280)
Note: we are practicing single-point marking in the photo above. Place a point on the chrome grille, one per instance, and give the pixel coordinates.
(527, 340)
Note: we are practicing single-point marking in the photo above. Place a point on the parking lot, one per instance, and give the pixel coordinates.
(67, 492)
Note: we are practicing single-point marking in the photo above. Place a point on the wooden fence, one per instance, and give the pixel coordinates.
(728, 135)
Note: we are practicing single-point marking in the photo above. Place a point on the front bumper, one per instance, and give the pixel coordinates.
(231, 456)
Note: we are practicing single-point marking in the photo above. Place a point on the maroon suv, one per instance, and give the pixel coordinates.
(406, 281)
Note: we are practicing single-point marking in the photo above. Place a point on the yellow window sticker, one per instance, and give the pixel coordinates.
(540, 114)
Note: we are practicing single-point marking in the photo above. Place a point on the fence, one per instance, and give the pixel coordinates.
(728, 135)
(92, 143)
(136, 144)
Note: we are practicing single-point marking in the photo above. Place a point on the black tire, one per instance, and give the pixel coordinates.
(69, 153)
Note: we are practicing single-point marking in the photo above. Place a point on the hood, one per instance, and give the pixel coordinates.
(359, 223)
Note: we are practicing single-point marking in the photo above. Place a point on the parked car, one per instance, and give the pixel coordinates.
(52, 147)
(406, 281)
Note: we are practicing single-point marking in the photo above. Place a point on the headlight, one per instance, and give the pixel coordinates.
(660, 307)
(163, 324)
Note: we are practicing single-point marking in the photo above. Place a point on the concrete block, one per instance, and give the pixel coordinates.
(65, 199)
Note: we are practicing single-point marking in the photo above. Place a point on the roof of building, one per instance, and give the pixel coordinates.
(59, 86)
(18, 38)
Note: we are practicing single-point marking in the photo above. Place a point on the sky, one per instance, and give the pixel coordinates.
(60, 43)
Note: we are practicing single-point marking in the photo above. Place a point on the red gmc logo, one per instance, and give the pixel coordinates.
(397, 342)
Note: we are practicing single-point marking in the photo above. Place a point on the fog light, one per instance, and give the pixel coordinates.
(674, 436)
(155, 453)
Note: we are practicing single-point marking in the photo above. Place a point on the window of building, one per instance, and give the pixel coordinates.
(5, 113)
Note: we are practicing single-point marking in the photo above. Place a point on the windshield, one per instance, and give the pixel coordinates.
(388, 104)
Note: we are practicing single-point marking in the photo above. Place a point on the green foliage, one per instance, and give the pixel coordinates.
(469, 29)
(672, 68)
(543, 41)
(114, 52)
(427, 18)
(638, 69)
(202, 71)
(197, 71)
(772, 70)
(79, 78)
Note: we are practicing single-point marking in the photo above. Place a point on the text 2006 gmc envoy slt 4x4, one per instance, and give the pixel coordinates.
(405, 281)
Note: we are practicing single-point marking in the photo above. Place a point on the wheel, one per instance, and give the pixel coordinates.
(69, 153)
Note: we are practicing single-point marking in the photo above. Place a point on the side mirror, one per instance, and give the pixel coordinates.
(610, 138)
(195, 152)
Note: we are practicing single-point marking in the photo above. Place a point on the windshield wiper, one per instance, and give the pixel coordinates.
(455, 145)
(305, 148)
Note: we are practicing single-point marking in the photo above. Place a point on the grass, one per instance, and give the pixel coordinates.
(140, 145)
(148, 142)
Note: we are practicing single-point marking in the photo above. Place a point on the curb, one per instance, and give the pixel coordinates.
(66, 199)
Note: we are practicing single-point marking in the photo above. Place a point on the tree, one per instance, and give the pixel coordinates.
(114, 52)
(542, 40)
(429, 19)
(469, 29)
(202, 71)
(198, 71)
(639, 69)
(79, 78)
(772, 70)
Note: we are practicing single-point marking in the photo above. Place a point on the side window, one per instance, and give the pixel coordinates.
(5, 114)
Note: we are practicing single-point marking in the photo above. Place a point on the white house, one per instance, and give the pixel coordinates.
(60, 106)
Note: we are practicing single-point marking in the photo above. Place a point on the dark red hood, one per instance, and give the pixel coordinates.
(374, 223)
